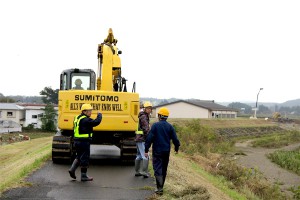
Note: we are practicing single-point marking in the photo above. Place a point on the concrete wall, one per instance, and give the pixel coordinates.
(184, 110)
(8, 126)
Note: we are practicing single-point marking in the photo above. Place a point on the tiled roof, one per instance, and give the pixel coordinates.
(211, 105)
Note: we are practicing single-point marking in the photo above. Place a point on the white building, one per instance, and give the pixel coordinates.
(196, 109)
(23, 114)
(34, 113)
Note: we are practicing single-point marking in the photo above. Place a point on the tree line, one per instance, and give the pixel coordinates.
(245, 109)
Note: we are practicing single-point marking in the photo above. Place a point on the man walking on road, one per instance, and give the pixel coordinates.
(141, 162)
(160, 135)
(83, 132)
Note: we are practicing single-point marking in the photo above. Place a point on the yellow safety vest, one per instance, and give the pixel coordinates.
(139, 131)
(76, 128)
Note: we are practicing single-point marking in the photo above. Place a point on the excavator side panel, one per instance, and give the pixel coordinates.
(119, 109)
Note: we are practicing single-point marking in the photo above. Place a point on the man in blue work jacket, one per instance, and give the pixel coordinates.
(83, 132)
(160, 135)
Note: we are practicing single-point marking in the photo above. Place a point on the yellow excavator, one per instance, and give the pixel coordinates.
(107, 93)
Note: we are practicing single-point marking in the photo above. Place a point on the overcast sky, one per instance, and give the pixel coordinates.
(210, 50)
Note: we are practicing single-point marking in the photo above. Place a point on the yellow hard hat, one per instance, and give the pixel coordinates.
(78, 82)
(147, 104)
(164, 111)
(86, 106)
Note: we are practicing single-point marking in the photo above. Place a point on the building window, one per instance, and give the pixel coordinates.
(34, 116)
(10, 114)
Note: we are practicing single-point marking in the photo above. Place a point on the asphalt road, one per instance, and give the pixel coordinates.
(111, 181)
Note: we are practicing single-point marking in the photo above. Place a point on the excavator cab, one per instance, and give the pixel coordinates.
(78, 79)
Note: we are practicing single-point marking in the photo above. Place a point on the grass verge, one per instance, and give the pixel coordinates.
(186, 180)
(20, 159)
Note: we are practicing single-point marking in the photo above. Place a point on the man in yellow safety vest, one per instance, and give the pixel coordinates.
(141, 162)
(83, 132)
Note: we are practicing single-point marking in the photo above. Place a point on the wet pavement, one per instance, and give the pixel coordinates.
(112, 180)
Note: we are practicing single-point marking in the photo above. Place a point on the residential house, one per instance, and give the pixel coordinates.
(23, 114)
(196, 109)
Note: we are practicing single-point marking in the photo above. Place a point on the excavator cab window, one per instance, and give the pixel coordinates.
(75, 79)
(81, 81)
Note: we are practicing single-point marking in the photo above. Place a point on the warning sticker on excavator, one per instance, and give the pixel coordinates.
(99, 106)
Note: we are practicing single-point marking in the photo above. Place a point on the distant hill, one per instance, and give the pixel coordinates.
(252, 104)
(291, 103)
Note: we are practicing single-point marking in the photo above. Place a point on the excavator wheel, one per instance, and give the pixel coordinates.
(128, 151)
(62, 150)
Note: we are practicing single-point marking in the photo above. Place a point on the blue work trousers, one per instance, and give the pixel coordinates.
(160, 163)
(83, 152)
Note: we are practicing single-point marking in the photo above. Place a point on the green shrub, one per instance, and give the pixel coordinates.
(29, 127)
(287, 159)
(196, 138)
(296, 191)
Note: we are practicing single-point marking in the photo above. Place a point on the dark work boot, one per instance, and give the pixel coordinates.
(159, 185)
(145, 172)
(73, 168)
(84, 176)
(137, 166)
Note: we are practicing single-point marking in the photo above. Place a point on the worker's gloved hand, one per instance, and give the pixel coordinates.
(99, 114)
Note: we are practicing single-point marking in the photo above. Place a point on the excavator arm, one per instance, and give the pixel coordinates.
(109, 65)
